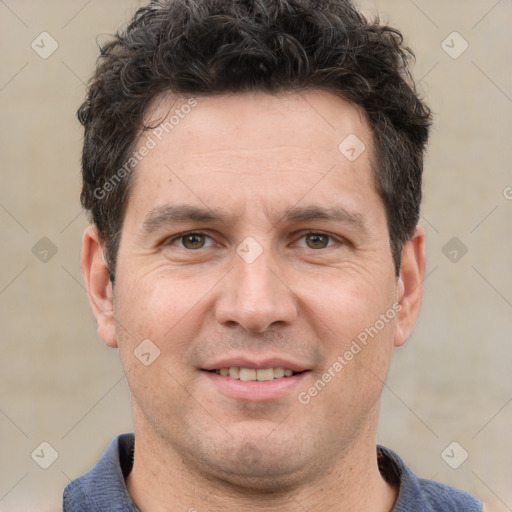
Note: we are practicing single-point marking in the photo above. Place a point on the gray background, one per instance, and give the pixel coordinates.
(451, 383)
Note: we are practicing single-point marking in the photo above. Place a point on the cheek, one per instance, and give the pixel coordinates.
(356, 322)
(153, 305)
(155, 325)
(159, 396)
(347, 304)
(159, 316)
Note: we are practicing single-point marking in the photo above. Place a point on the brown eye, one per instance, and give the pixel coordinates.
(193, 240)
(317, 240)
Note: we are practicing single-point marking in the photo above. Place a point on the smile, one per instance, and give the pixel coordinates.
(252, 374)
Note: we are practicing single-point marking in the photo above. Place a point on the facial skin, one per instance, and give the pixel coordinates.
(252, 158)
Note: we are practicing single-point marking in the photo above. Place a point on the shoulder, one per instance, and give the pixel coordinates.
(420, 495)
(443, 498)
(103, 487)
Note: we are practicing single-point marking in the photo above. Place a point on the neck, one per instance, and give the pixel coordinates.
(161, 480)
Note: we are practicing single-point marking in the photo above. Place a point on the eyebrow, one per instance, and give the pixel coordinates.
(163, 216)
(338, 214)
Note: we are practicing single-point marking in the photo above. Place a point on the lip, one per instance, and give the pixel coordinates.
(256, 364)
(255, 390)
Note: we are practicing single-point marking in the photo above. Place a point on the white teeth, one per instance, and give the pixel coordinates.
(247, 374)
(278, 373)
(265, 374)
(251, 374)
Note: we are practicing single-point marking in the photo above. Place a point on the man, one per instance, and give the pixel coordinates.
(253, 174)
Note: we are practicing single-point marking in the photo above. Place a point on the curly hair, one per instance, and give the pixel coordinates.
(207, 47)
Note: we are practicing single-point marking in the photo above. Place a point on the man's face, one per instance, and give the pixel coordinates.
(267, 282)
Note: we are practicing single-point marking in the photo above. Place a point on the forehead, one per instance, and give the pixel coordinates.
(229, 150)
(253, 118)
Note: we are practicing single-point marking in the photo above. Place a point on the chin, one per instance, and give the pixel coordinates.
(265, 475)
(256, 464)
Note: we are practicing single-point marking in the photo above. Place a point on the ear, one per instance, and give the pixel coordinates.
(410, 285)
(99, 288)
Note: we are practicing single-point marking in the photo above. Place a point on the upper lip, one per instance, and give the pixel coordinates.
(256, 363)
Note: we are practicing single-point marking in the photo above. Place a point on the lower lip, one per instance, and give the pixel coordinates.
(255, 390)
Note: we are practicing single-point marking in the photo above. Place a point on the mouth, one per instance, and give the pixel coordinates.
(256, 381)
(255, 374)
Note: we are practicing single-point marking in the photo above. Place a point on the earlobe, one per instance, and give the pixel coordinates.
(99, 287)
(410, 285)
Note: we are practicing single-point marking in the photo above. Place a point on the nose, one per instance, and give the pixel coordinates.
(256, 296)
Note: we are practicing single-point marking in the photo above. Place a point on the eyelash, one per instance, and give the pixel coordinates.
(170, 241)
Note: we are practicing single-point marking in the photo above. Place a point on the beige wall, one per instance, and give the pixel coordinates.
(450, 383)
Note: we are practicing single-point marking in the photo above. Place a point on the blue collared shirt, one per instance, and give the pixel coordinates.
(103, 488)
